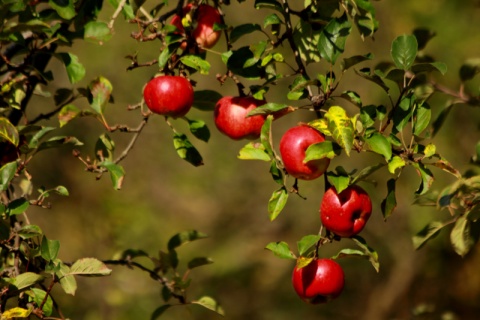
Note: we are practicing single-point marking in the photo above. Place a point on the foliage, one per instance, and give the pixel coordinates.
(400, 134)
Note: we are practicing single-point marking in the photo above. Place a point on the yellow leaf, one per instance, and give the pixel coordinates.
(16, 313)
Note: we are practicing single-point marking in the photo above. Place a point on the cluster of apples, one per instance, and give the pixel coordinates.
(343, 214)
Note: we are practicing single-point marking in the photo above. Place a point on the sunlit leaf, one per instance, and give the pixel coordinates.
(117, 173)
(75, 70)
(307, 242)
(379, 144)
(210, 304)
(8, 132)
(341, 127)
(186, 150)
(197, 63)
(199, 129)
(277, 202)
(253, 151)
(89, 267)
(49, 249)
(101, 91)
(97, 32)
(281, 250)
(7, 173)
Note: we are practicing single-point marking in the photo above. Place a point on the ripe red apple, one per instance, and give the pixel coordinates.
(320, 281)
(205, 17)
(293, 145)
(230, 117)
(169, 95)
(345, 214)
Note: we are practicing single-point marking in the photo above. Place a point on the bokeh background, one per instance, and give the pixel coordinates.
(227, 198)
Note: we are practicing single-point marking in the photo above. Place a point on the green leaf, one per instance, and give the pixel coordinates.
(306, 39)
(429, 67)
(64, 8)
(426, 175)
(104, 148)
(206, 100)
(184, 237)
(197, 63)
(25, 280)
(97, 32)
(198, 262)
(67, 280)
(101, 91)
(67, 113)
(390, 202)
(430, 231)
(166, 53)
(469, 69)
(7, 173)
(370, 254)
(404, 51)
(253, 151)
(326, 149)
(423, 36)
(49, 249)
(268, 4)
(186, 150)
(341, 127)
(239, 58)
(363, 13)
(199, 129)
(422, 115)
(61, 190)
(8, 132)
(281, 250)
(29, 231)
(347, 63)
(367, 116)
(160, 310)
(340, 180)
(403, 113)
(210, 304)
(89, 267)
(243, 29)
(75, 70)
(268, 108)
(366, 74)
(395, 163)
(307, 242)
(333, 38)
(367, 171)
(39, 296)
(17, 206)
(379, 144)
(461, 236)
(59, 141)
(352, 97)
(266, 136)
(276, 172)
(271, 19)
(277, 202)
(117, 173)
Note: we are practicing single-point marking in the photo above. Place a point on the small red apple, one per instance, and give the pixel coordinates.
(345, 214)
(231, 117)
(169, 95)
(320, 281)
(205, 16)
(293, 145)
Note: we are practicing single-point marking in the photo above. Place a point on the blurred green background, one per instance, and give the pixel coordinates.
(227, 198)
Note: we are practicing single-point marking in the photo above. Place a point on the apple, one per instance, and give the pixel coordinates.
(293, 145)
(169, 95)
(320, 281)
(347, 212)
(205, 17)
(231, 117)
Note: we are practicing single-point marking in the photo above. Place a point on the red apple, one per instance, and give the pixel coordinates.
(169, 95)
(320, 281)
(293, 145)
(205, 17)
(231, 117)
(345, 214)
